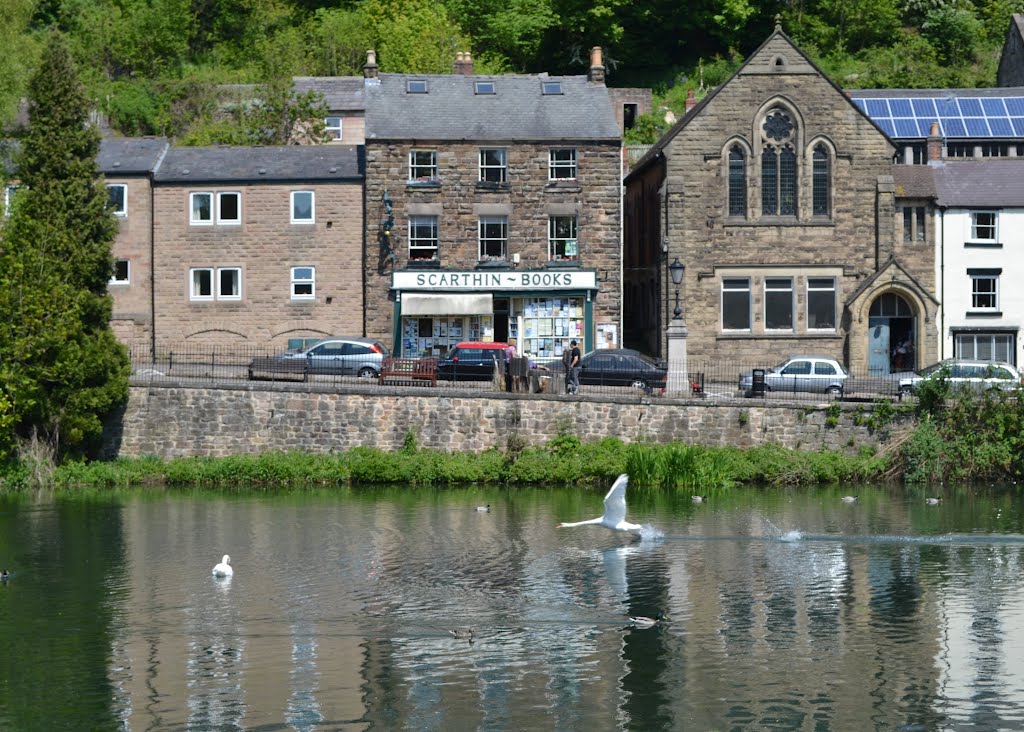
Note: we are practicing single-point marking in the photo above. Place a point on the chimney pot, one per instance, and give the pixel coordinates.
(596, 65)
(370, 69)
(934, 143)
(691, 100)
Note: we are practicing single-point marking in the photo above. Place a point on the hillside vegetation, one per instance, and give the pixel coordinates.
(160, 66)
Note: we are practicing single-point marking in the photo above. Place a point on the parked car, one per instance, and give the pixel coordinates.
(815, 374)
(623, 367)
(471, 361)
(961, 373)
(347, 356)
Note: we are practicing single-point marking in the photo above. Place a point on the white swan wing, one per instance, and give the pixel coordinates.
(615, 501)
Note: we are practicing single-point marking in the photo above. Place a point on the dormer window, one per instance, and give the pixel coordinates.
(484, 87)
(551, 87)
(416, 86)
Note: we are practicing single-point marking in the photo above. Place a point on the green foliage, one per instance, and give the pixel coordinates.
(832, 414)
(562, 461)
(63, 370)
(952, 31)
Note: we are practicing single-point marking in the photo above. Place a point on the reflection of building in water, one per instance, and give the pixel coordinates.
(199, 653)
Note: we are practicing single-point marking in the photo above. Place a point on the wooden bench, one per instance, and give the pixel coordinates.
(278, 369)
(409, 369)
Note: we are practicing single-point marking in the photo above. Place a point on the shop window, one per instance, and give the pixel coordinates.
(986, 346)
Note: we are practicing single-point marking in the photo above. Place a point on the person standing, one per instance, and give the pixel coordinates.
(572, 377)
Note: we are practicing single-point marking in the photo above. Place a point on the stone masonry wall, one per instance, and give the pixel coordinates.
(593, 196)
(179, 421)
(265, 246)
(132, 320)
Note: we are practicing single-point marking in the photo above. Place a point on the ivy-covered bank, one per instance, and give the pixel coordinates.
(564, 460)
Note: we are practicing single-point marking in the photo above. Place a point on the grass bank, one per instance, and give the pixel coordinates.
(564, 460)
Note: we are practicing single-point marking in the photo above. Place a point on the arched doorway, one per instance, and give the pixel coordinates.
(892, 333)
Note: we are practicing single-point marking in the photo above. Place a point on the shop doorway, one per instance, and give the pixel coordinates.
(501, 320)
(892, 333)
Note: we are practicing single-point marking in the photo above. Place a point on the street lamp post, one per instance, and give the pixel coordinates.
(678, 377)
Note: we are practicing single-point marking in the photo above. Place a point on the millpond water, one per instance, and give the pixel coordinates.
(782, 610)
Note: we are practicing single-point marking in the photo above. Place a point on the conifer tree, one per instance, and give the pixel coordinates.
(60, 365)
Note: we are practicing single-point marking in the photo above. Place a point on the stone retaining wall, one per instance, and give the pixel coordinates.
(175, 419)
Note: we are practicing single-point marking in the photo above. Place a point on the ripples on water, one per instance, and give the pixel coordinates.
(785, 610)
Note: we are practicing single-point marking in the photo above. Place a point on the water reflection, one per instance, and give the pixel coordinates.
(785, 610)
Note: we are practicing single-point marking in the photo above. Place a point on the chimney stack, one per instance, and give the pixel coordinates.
(370, 69)
(934, 144)
(463, 63)
(596, 65)
(691, 101)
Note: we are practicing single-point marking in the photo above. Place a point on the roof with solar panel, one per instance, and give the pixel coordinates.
(969, 114)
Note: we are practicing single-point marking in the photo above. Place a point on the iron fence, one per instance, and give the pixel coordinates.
(705, 378)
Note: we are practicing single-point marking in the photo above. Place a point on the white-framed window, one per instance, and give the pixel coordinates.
(332, 127)
(303, 207)
(422, 237)
(200, 208)
(778, 303)
(303, 283)
(493, 237)
(562, 164)
(229, 208)
(562, 238)
(118, 195)
(985, 346)
(423, 165)
(493, 165)
(483, 87)
(821, 303)
(551, 87)
(228, 282)
(416, 86)
(10, 192)
(984, 226)
(736, 303)
(984, 289)
(122, 272)
(201, 283)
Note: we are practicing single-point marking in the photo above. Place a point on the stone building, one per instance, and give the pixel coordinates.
(776, 193)
(345, 122)
(128, 165)
(492, 210)
(257, 245)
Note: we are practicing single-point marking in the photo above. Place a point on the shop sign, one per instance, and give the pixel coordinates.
(511, 280)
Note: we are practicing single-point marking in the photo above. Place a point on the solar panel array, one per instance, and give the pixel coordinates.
(967, 117)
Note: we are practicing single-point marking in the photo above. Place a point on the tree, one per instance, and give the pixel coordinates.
(60, 365)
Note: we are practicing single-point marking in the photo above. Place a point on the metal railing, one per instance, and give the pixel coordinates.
(706, 378)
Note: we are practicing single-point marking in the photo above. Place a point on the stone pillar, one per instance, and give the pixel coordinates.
(678, 380)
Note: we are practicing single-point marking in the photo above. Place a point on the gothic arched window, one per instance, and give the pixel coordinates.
(737, 182)
(821, 182)
(778, 165)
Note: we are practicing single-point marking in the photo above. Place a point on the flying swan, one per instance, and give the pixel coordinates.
(614, 510)
(223, 569)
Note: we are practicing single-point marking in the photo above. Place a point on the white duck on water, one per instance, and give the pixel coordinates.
(614, 516)
(223, 568)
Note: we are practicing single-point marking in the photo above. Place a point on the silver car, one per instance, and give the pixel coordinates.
(960, 373)
(347, 356)
(815, 374)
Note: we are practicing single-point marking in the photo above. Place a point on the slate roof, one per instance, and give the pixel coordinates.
(995, 182)
(341, 93)
(130, 155)
(914, 181)
(517, 111)
(257, 164)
